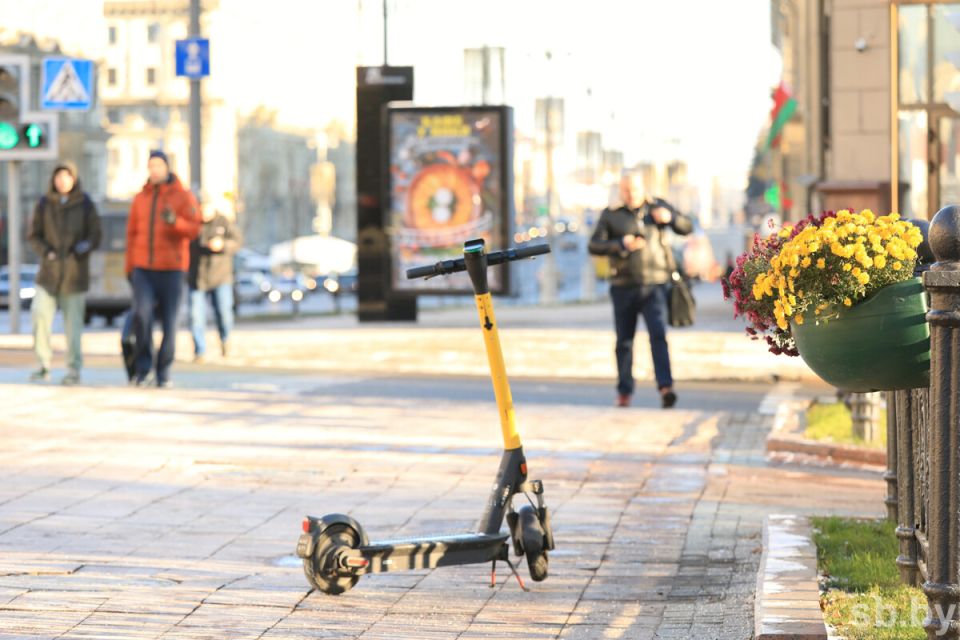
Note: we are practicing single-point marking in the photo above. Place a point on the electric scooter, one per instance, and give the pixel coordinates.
(334, 548)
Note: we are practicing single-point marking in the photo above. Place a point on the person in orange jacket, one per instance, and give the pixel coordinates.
(163, 220)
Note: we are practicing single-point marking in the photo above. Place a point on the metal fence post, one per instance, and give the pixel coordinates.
(865, 411)
(905, 414)
(892, 468)
(942, 282)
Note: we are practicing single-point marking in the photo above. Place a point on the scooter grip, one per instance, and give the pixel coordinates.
(529, 252)
(437, 269)
(422, 272)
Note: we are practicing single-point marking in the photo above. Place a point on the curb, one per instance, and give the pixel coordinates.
(787, 606)
(781, 440)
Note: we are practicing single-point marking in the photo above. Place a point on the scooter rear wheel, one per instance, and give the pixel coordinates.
(321, 569)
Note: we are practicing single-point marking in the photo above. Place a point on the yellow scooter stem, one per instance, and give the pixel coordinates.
(498, 372)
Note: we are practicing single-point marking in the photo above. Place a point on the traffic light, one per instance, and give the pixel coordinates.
(24, 135)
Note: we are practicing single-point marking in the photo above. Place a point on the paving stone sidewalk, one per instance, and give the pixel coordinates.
(173, 514)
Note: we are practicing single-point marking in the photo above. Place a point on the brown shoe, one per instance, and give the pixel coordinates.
(623, 400)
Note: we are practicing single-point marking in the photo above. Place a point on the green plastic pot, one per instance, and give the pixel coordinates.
(879, 344)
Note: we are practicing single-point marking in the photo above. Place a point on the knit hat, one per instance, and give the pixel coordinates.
(157, 153)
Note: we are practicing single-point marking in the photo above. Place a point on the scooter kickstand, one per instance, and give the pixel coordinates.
(516, 575)
(493, 575)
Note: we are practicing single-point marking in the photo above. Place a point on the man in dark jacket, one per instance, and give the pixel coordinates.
(633, 235)
(211, 275)
(64, 229)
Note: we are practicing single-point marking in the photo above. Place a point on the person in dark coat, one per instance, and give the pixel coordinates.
(633, 236)
(64, 229)
(211, 276)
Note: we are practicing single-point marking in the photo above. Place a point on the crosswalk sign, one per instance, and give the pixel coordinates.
(66, 84)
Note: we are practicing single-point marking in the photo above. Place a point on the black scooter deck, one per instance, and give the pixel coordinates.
(434, 551)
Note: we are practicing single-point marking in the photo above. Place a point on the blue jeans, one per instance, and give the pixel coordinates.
(155, 291)
(628, 303)
(222, 299)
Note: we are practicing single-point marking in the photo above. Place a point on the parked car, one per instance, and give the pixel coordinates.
(291, 287)
(110, 295)
(251, 287)
(339, 283)
(28, 285)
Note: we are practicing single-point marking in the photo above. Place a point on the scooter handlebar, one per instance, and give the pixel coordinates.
(497, 257)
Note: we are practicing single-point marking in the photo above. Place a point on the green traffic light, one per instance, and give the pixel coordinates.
(34, 135)
(8, 136)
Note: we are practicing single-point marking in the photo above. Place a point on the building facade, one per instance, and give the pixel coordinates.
(146, 104)
(877, 84)
(275, 199)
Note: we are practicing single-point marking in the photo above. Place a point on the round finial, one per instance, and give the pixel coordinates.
(945, 234)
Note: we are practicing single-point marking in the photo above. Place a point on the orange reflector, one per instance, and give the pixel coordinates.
(357, 562)
(306, 525)
(523, 468)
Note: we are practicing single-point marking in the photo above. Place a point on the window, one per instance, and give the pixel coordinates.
(113, 116)
(112, 35)
(153, 32)
(928, 95)
(112, 77)
(151, 76)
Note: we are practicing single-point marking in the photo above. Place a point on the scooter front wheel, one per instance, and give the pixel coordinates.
(321, 567)
(532, 534)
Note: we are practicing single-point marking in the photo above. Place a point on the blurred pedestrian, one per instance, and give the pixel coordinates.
(633, 235)
(730, 268)
(64, 229)
(163, 220)
(211, 275)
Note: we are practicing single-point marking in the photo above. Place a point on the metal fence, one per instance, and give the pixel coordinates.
(923, 446)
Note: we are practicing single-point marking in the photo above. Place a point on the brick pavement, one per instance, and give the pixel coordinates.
(173, 514)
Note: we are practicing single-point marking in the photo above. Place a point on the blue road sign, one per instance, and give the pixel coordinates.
(193, 58)
(66, 84)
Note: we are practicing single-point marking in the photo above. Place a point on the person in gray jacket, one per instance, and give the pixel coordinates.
(211, 275)
(64, 229)
(633, 236)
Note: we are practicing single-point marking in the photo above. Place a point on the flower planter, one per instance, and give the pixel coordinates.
(879, 344)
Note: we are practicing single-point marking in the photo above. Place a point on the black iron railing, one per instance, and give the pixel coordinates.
(923, 456)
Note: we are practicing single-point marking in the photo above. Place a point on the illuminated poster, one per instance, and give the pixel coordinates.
(447, 185)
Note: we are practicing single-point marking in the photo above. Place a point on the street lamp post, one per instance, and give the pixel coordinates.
(195, 109)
